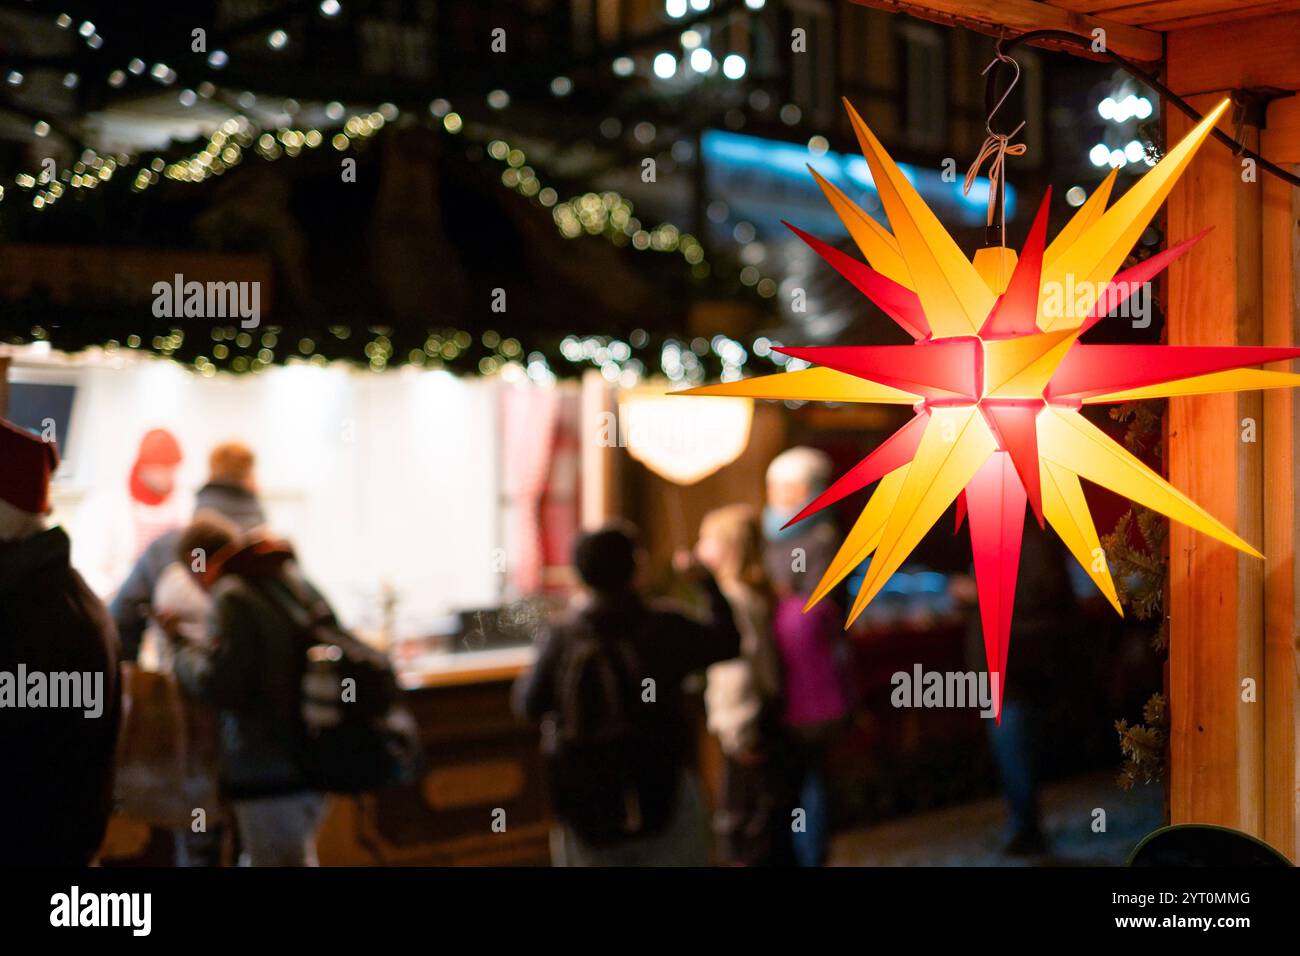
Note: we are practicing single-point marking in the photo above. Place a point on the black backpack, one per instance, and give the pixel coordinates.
(356, 733)
(612, 777)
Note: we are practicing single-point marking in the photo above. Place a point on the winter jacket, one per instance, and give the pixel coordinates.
(811, 664)
(131, 605)
(250, 669)
(57, 763)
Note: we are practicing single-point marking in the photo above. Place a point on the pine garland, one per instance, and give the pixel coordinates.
(1139, 557)
(1145, 745)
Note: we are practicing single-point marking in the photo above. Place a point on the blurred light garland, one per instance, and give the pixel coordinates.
(625, 362)
(606, 213)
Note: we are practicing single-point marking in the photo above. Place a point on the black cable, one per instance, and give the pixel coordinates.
(1007, 43)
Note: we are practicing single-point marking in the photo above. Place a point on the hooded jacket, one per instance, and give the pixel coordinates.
(251, 670)
(57, 761)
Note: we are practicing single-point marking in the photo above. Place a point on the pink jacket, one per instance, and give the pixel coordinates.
(813, 681)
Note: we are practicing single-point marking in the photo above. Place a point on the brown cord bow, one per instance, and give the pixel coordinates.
(996, 148)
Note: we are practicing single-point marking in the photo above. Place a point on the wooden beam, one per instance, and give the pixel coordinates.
(1021, 16)
(1216, 593)
(1166, 15)
(1090, 6)
(1261, 51)
(1222, 16)
(1182, 12)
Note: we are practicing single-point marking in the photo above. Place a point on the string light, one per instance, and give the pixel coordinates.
(607, 214)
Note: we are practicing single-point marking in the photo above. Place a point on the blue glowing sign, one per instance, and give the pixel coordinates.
(766, 180)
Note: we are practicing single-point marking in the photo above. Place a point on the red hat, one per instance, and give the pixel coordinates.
(157, 447)
(27, 463)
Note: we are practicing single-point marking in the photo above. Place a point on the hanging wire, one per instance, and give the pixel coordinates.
(1006, 44)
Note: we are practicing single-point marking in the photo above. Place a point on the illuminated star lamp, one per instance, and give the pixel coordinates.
(997, 378)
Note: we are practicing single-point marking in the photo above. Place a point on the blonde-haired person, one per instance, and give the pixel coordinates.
(231, 491)
(232, 486)
(741, 693)
(160, 590)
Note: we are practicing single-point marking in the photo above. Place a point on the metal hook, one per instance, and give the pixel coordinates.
(999, 57)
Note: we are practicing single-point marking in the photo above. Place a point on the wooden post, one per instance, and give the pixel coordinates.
(1280, 141)
(1216, 593)
(598, 490)
(1233, 618)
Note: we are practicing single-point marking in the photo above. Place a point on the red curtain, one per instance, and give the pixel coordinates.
(529, 417)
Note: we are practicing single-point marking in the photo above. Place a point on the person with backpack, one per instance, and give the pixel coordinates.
(607, 687)
(305, 708)
(250, 669)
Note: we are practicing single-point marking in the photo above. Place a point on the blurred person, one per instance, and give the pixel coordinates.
(607, 686)
(250, 668)
(117, 524)
(57, 760)
(180, 610)
(795, 557)
(155, 508)
(810, 644)
(231, 491)
(742, 693)
(161, 595)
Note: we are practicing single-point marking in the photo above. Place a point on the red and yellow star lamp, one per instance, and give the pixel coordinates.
(997, 379)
